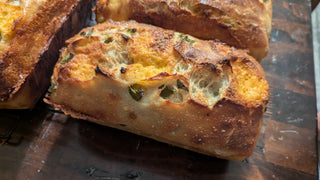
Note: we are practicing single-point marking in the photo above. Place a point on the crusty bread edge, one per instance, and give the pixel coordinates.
(30, 91)
(232, 155)
(227, 130)
(253, 37)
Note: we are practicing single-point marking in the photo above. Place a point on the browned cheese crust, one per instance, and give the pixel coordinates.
(27, 63)
(244, 24)
(200, 95)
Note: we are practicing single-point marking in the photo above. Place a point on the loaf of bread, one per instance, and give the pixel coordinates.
(244, 24)
(200, 95)
(31, 34)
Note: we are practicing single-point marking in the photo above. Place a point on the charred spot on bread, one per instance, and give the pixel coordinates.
(133, 30)
(123, 70)
(98, 70)
(125, 37)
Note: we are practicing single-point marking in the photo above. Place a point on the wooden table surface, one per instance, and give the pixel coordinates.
(45, 144)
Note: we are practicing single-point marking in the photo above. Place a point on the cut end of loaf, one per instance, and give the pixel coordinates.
(31, 34)
(8, 14)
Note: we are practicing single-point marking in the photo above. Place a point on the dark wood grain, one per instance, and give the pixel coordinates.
(314, 3)
(45, 144)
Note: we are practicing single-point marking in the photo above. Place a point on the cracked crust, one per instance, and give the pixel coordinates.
(182, 90)
(27, 63)
(245, 24)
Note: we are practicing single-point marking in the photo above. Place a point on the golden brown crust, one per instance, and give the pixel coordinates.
(244, 24)
(207, 110)
(26, 66)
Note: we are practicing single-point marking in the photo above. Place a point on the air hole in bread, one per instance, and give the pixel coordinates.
(203, 83)
(181, 67)
(207, 86)
(174, 92)
(116, 57)
(178, 96)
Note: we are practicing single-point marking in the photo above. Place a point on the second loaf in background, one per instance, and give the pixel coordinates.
(245, 24)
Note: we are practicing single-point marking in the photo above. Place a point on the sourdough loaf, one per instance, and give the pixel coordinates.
(200, 95)
(31, 34)
(244, 24)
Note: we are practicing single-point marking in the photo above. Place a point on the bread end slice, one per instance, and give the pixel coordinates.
(37, 34)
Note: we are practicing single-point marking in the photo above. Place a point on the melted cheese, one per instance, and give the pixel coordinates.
(138, 72)
(141, 55)
(82, 68)
(251, 87)
(8, 14)
(148, 61)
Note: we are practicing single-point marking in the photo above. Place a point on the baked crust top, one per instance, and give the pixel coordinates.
(199, 95)
(31, 32)
(134, 53)
(245, 24)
